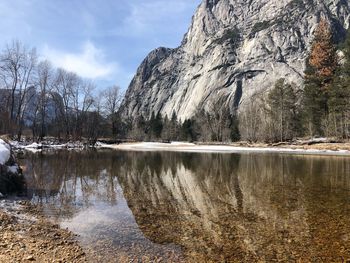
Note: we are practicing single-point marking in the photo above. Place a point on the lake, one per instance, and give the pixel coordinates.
(196, 207)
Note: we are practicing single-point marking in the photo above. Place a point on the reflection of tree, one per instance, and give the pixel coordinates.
(68, 181)
(218, 207)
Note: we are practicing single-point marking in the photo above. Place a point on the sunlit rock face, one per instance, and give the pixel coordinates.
(233, 49)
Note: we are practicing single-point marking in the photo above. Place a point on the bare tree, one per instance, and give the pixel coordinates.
(282, 110)
(218, 119)
(111, 100)
(251, 119)
(17, 65)
(83, 98)
(93, 120)
(45, 79)
(65, 85)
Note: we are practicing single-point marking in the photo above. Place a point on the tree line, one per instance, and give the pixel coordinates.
(319, 108)
(55, 102)
(218, 125)
(38, 100)
(51, 102)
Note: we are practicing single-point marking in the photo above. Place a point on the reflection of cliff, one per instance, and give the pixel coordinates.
(217, 207)
(233, 207)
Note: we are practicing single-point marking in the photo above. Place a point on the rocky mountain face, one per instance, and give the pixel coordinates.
(233, 50)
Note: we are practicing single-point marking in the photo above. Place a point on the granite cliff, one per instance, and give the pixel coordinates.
(232, 50)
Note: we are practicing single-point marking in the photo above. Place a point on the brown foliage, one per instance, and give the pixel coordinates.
(323, 56)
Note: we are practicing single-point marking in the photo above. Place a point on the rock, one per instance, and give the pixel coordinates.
(5, 152)
(233, 49)
(30, 258)
(11, 178)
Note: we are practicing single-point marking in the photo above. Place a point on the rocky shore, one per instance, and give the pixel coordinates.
(26, 236)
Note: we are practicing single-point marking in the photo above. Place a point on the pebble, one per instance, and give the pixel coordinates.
(30, 258)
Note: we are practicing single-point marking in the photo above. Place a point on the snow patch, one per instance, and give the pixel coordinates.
(33, 146)
(182, 144)
(147, 146)
(5, 152)
(13, 169)
(39, 147)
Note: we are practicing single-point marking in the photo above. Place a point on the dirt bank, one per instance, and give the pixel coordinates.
(321, 146)
(26, 236)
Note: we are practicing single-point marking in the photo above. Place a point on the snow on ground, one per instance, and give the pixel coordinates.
(187, 147)
(33, 146)
(5, 152)
(13, 169)
(180, 147)
(38, 147)
(182, 144)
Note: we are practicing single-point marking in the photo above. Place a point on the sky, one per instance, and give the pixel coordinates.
(101, 40)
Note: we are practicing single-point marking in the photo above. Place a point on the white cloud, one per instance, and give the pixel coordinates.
(89, 63)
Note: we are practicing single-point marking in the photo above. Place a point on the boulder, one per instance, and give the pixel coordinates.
(11, 177)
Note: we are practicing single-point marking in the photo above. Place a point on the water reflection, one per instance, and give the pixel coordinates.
(198, 207)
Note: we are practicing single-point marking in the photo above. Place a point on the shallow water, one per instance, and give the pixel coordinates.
(197, 207)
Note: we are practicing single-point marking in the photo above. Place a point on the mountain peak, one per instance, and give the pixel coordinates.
(233, 49)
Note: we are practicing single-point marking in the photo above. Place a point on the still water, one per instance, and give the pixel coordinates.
(197, 207)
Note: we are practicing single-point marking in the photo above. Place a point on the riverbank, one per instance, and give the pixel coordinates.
(26, 236)
(47, 145)
(321, 148)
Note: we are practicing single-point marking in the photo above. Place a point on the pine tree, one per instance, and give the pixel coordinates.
(139, 129)
(319, 74)
(323, 58)
(235, 136)
(282, 104)
(150, 125)
(174, 127)
(166, 129)
(156, 125)
(339, 102)
(187, 131)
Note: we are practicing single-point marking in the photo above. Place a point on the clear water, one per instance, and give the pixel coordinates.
(197, 207)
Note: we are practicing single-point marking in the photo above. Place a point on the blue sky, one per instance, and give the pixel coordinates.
(104, 40)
